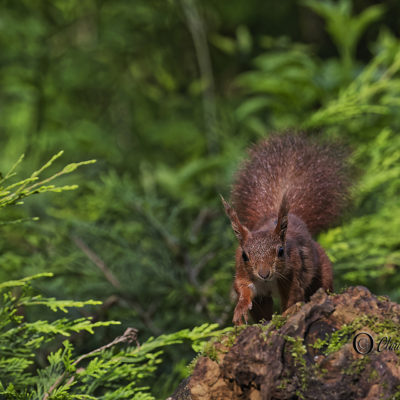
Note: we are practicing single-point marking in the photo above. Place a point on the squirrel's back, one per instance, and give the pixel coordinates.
(313, 176)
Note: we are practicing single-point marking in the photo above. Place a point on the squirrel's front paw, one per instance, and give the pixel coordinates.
(240, 313)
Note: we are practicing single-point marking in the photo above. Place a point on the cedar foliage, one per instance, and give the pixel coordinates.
(117, 370)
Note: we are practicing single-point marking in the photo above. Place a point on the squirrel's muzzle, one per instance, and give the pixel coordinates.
(267, 275)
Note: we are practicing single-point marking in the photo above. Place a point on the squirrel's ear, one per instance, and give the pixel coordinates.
(241, 232)
(281, 225)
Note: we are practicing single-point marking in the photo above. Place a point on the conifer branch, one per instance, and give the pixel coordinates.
(129, 336)
(98, 262)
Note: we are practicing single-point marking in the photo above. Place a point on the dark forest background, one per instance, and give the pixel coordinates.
(167, 96)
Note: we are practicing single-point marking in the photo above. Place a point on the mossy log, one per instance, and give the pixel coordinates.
(313, 352)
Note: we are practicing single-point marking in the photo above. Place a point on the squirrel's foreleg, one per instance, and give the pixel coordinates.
(244, 304)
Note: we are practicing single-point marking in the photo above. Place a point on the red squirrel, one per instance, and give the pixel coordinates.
(288, 190)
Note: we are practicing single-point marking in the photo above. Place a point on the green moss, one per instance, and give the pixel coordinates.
(191, 365)
(373, 375)
(238, 330)
(319, 344)
(385, 327)
(298, 350)
(283, 384)
(383, 298)
(322, 372)
(397, 394)
(219, 344)
(277, 321)
(337, 339)
(357, 366)
(211, 351)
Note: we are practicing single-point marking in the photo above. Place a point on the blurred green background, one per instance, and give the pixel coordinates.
(167, 96)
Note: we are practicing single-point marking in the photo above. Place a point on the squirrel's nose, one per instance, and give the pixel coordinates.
(265, 275)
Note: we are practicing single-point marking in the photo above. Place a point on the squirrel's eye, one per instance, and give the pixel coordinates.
(245, 256)
(280, 251)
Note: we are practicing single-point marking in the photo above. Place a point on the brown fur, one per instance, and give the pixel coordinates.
(289, 189)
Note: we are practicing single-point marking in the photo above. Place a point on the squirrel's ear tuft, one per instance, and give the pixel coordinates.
(281, 226)
(241, 232)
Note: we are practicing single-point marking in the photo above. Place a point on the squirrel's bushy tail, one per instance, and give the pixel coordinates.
(314, 177)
